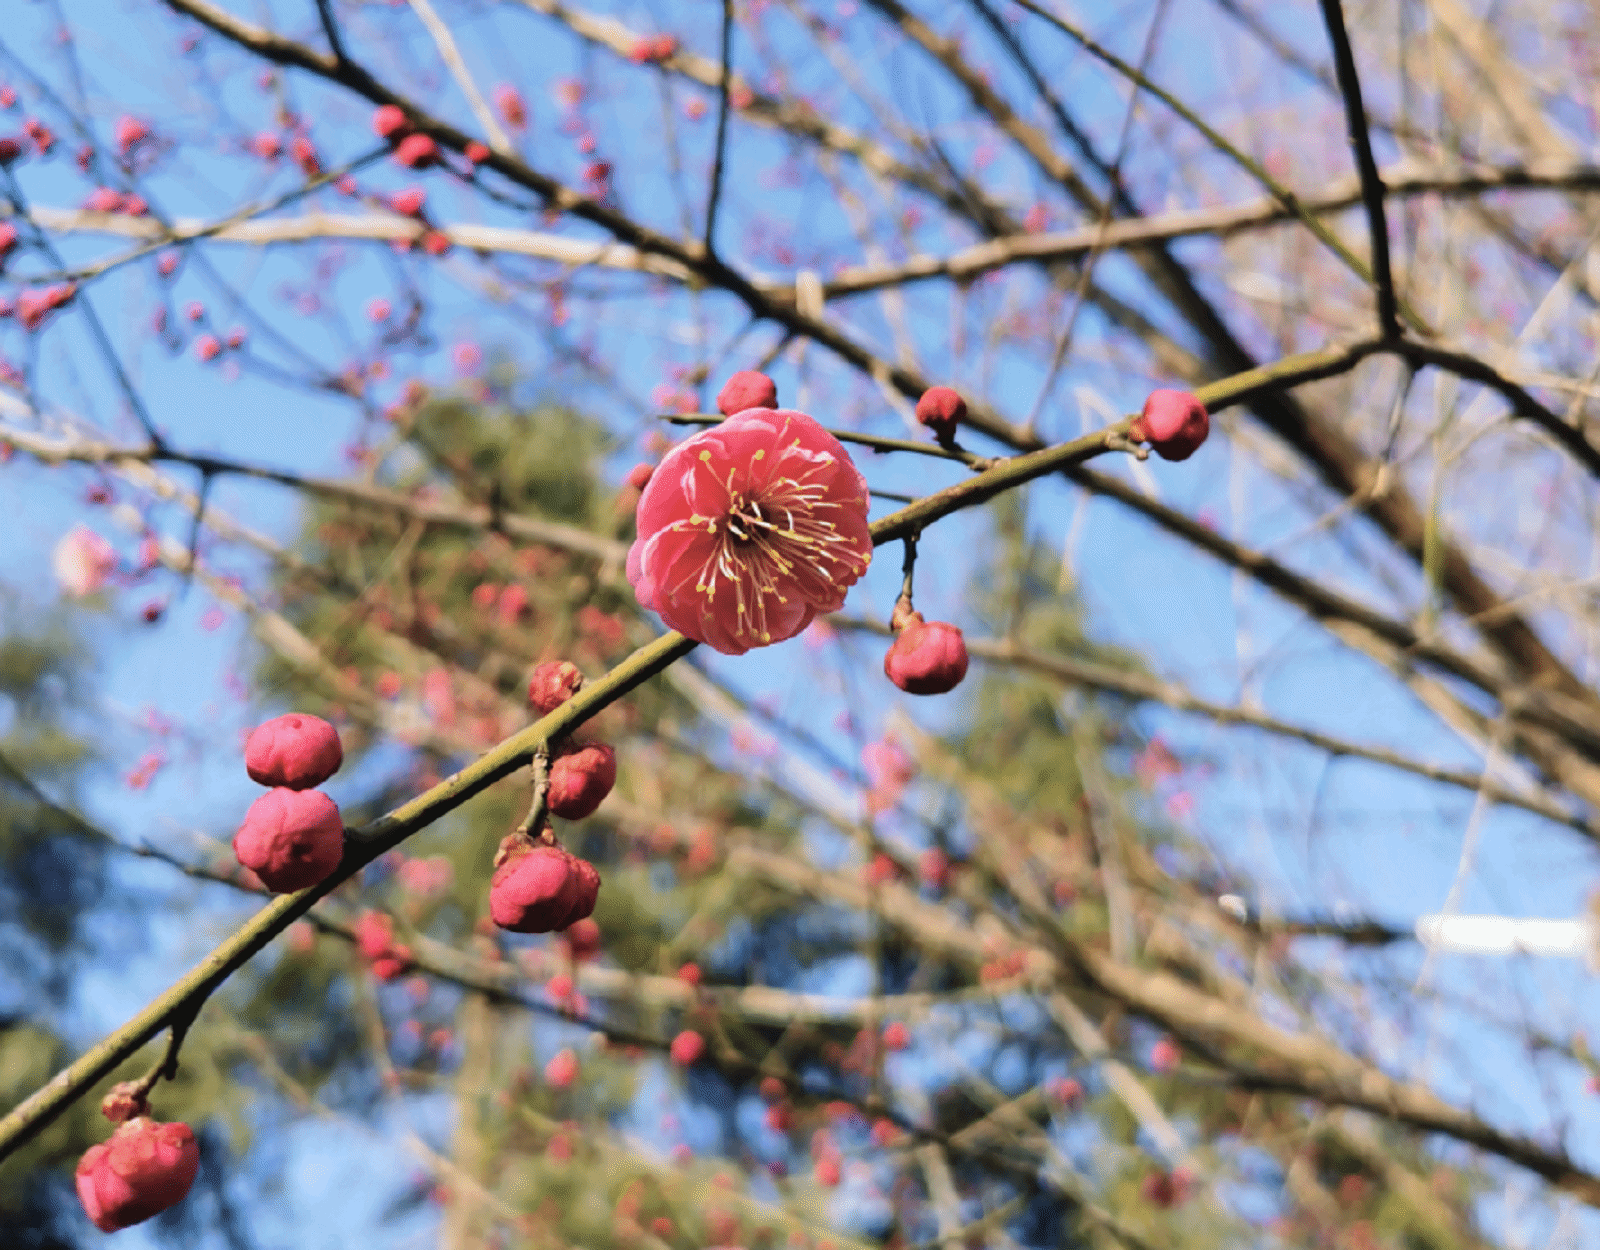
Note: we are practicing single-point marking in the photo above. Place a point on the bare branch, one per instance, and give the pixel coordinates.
(722, 129)
(1372, 190)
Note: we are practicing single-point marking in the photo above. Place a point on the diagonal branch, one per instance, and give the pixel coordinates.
(363, 846)
(1260, 1054)
(1146, 688)
(1343, 464)
(451, 54)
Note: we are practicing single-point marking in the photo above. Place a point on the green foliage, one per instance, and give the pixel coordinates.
(51, 867)
(51, 873)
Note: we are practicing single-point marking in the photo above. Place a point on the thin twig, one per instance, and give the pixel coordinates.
(722, 129)
(330, 27)
(874, 441)
(96, 329)
(1371, 183)
(1146, 688)
(451, 55)
(1246, 162)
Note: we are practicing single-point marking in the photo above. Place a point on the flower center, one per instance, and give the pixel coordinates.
(773, 543)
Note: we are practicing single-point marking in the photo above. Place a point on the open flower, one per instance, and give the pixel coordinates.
(83, 560)
(750, 529)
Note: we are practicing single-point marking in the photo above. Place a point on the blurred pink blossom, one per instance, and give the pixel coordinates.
(82, 561)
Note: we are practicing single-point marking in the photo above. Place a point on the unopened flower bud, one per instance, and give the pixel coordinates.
(408, 202)
(130, 131)
(417, 152)
(389, 121)
(142, 1170)
(747, 389)
(941, 409)
(297, 751)
(540, 888)
(528, 893)
(583, 939)
(1165, 1055)
(1174, 423)
(584, 887)
(291, 839)
(552, 684)
(687, 1048)
(928, 657)
(580, 778)
(562, 1070)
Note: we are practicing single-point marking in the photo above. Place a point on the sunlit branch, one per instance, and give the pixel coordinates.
(1256, 170)
(451, 55)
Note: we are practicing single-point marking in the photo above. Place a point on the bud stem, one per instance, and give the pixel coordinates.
(534, 825)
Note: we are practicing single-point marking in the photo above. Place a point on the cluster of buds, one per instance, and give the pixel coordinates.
(538, 885)
(581, 773)
(110, 200)
(414, 151)
(144, 1168)
(512, 107)
(37, 303)
(927, 657)
(43, 137)
(1168, 1189)
(653, 49)
(292, 836)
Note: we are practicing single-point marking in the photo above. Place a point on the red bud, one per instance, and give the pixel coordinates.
(291, 839)
(928, 657)
(580, 778)
(145, 1168)
(747, 389)
(297, 751)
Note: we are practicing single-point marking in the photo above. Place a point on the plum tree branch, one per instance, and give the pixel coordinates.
(364, 845)
(330, 27)
(1377, 273)
(451, 55)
